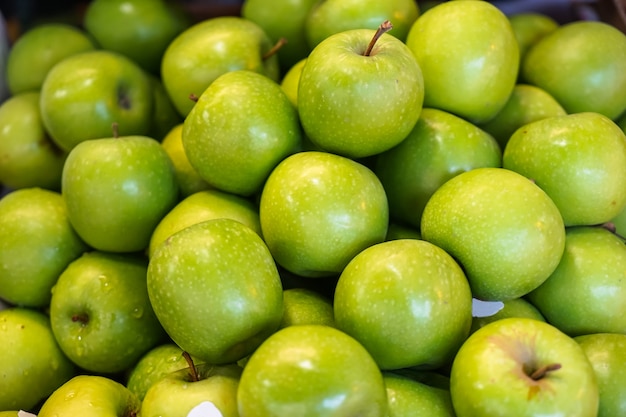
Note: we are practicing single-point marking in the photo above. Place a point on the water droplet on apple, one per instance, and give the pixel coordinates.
(70, 395)
(137, 312)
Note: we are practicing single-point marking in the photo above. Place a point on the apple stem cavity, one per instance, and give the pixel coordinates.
(193, 372)
(274, 49)
(82, 318)
(539, 373)
(384, 27)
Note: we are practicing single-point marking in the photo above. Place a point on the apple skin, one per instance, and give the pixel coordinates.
(593, 79)
(505, 231)
(440, 146)
(408, 397)
(242, 126)
(306, 306)
(605, 351)
(490, 373)
(37, 50)
(291, 81)
(311, 371)
(591, 274)
(517, 307)
(100, 312)
(318, 210)
(469, 58)
(208, 49)
(91, 396)
(117, 190)
(579, 160)
(165, 117)
(28, 157)
(529, 27)
(216, 290)
(356, 105)
(37, 242)
(31, 362)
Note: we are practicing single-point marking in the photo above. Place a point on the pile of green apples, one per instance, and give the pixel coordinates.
(314, 208)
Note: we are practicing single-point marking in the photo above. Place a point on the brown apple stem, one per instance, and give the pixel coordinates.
(610, 226)
(541, 372)
(193, 97)
(116, 130)
(274, 49)
(80, 317)
(384, 27)
(192, 367)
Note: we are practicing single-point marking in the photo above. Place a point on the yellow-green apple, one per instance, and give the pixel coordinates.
(517, 307)
(360, 92)
(579, 160)
(408, 397)
(469, 57)
(318, 210)
(529, 27)
(291, 80)
(311, 370)
(440, 146)
(37, 243)
(117, 190)
(100, 312)
(306, 306)
(242, 126)
(32, 365)
(505, 231)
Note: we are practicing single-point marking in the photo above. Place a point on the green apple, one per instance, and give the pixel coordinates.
(311, 371)
(586, 292)
(527, 103)
(242, 126)
(394, 290)
(360, 92)
(318, 210)
(503, 229)
(529, 27)
(582, 65)
(84, 94)
(37, 243)
(469, 57)
(522, 367)
(32, 365)
(38, 49)
(165, 117)
(408, 397)
(117, 190)
(139, 29)
(440, 146)
(216, 290)
(28, 157)
(306, 306)
(212, 390)
(202, 206)
(208, 49)
(100, 312)
(517, 307)
(291, 80)
(333, 16)
(618, 222)
(579, 160)
(91, 396)
(401, 231)
(605, 351)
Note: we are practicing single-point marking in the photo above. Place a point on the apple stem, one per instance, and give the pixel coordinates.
(193, 97)
(384, 27)
(274, 49)
(116, 130)
(82, 318)
(541, 372)
(610, 226)
(192, 367)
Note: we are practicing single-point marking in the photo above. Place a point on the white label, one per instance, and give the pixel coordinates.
(205, 409)
(485, 308)
(25, 414)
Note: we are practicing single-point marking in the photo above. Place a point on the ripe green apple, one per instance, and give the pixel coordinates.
(291, 80)
(242, 126)
(333, 16)
(503, 229)
(207, 49)
(408, 397)
(356, 102)
(306, 306)
(117, 190)
(32, 365)
(318, 210)
(469, 57)
(38, 49)
(395, 290)
(139, 29)
(28, 157)
(529, 27)
(180, 393)
(202, 206)
(84, 94)
(216, 290)
(522, 367)
(91, 396)
(579, 160)
(605, 351)
(517, 307)
(100, 312)
(37, 243)
(582, 65)
(591, 274)
(311, 371)
(440, 146)
(165, 117)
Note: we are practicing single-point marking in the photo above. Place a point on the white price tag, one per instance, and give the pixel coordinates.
(25, 414)
(205, 409)
(485, 308)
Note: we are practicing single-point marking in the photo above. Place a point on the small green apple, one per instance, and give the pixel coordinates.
(517, 307)
(529, 27)
(32, 365)
(291, 81)
(408, 397)
(306, 306)
(311, 371)
(504, 230)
